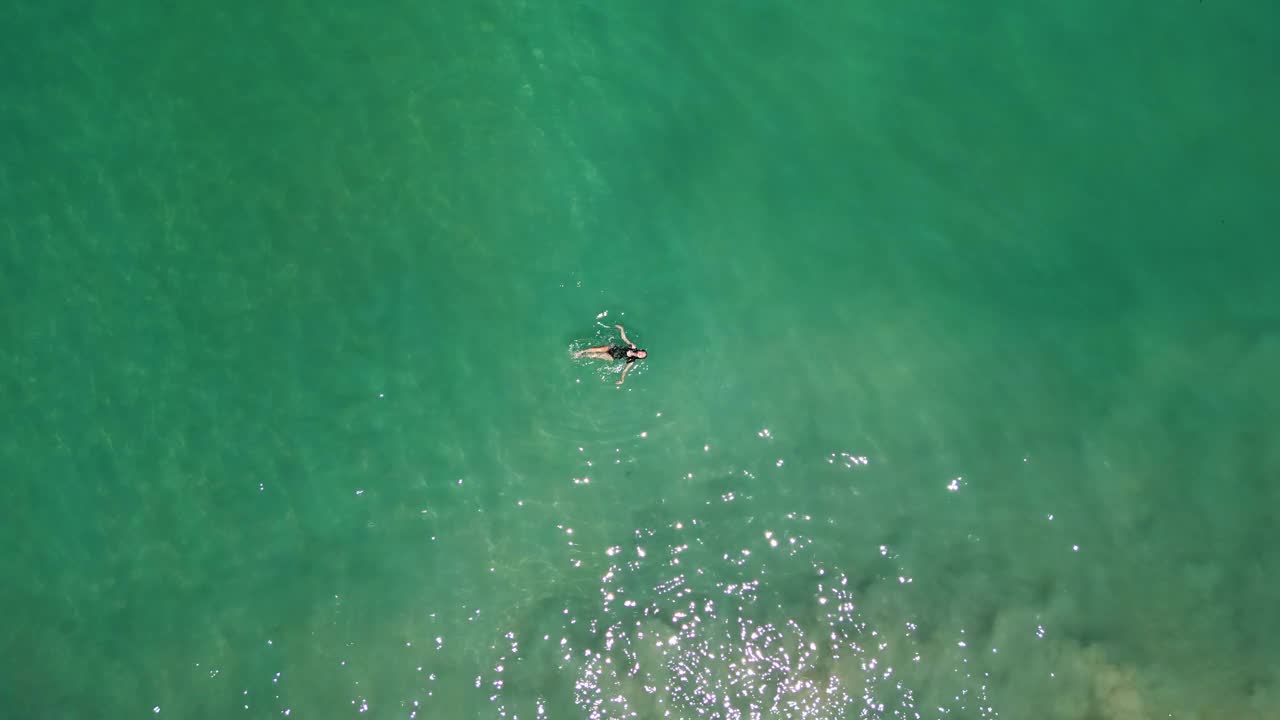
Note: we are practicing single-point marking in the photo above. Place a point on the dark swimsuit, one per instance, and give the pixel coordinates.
(617, 352)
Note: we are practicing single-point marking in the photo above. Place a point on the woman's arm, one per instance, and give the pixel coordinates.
(624, 336)
(623, 379)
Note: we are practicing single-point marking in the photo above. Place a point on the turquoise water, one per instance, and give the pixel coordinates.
(960, 402)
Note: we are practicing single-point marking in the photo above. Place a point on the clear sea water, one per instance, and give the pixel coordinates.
(961, 400)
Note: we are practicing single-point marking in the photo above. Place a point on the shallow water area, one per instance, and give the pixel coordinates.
(961, 322)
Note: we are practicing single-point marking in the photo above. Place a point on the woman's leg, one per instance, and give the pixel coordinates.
(594, 352)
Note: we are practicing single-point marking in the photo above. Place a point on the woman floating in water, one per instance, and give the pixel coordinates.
(631, 353)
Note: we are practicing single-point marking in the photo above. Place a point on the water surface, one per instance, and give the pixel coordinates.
(962, 325)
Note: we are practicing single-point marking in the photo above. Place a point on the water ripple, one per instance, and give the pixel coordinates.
(703, 619)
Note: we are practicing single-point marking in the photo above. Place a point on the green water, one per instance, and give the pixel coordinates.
(961, 399)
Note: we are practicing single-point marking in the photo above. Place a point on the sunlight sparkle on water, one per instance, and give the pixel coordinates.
(709, 638)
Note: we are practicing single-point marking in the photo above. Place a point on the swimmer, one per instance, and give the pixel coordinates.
(615, 352)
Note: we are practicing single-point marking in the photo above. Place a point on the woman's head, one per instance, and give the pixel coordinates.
(637, 353)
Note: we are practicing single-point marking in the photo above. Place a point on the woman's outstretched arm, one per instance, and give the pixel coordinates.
(624, 336)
